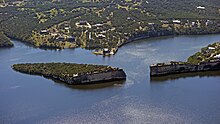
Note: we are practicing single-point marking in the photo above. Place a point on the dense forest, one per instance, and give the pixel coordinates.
(96, 24)
(61, 69)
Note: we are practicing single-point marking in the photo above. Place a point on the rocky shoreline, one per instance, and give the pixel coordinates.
(101, 75)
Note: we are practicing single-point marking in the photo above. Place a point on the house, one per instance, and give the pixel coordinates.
(66, 28)
(44, 32)
(113, 51)
(60, 38)
(75, 75)
(82, 22)
(70, 39)
(98, 25)
(200, 7)
(217, 56)
(150, 23)
(106, 52)
(54, 34)
(176, 21)
(164, 22)
(90, 36)
(211, 48)
(100, 36)
(208, 22)
(129, 18)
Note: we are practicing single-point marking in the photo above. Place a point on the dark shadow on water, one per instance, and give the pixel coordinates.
(151, 39)
(15, 41)
(161, 79)
(90, 86)
(94, 86)
(5, 48)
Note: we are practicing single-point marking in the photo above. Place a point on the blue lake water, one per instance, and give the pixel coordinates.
(180, 99)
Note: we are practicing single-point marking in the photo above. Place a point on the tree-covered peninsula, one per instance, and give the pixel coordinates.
(104, 25)
(72, 73)
(207, 54)
(5, 41)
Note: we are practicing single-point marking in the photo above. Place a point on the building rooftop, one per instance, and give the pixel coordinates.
(200, 7)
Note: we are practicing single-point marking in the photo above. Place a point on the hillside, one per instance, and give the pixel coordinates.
(98, 24)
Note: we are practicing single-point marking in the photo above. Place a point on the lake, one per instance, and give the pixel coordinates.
(187, 98)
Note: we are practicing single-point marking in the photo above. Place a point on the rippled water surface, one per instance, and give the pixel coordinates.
(190, 98)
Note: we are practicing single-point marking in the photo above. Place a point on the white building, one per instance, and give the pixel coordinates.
(211, 48)
(200, 7)
(177, 21)
(217, 56)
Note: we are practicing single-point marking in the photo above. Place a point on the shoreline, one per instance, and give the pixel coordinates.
(208, 59)
(130, 40)
(110, 53)
(113, 74)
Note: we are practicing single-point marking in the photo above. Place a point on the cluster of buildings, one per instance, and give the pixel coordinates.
(210, 53)
(57, 35)
(188, 23)
(106, 51)
(83, 24)
(214, 51)
(97, 29)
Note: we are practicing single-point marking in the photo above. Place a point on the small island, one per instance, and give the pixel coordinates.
(71, 73)
(208, 59)
(5, 41)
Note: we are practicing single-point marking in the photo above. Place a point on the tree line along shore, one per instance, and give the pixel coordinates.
(5, 41)
(71, 73)
(104, 25)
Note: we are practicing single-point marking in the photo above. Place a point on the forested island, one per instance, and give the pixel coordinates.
(208, 59)
(70, 73)
(104, 25)
(5, 41)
